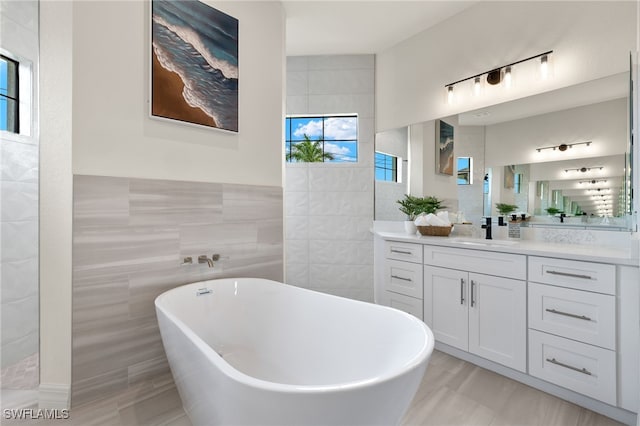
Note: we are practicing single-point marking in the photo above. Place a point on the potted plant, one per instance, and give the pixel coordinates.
(552, 211)
(409, 206)
(414, 206)
(504, 210)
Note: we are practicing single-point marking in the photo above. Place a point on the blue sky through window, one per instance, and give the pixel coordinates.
(337, 134)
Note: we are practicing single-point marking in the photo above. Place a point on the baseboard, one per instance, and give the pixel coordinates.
(54, 396)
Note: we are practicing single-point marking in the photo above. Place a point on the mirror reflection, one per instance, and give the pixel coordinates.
(561, 153)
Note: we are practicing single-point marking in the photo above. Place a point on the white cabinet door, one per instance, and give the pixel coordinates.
(498, 320)
(449, 305)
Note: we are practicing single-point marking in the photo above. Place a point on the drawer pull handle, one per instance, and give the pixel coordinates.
(567, 314)
(462, 291)
(570, 367)
(401, 278)
(401, 251)
(567, 274)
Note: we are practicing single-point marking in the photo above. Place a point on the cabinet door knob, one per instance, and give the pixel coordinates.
(462, 291)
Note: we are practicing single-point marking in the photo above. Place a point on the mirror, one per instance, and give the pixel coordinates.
(566, 149)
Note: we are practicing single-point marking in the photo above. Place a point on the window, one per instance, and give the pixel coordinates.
(331, 138)
(464, 171)
(386, 167)
(9, 95)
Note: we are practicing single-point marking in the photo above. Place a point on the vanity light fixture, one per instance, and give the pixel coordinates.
(583, 169)
(450, 95)
(544, 66)
(564, 146)
(592, 181)
(500, 74)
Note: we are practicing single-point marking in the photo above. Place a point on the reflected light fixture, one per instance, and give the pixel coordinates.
(564, 146)
(583, 169)
(592, 181)
(500, 74)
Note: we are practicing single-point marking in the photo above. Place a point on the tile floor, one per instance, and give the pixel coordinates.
(453, 392)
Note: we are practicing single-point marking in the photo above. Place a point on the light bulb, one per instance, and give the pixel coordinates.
(544, 67)
(450, 95)
(476, 86)
(507, 77)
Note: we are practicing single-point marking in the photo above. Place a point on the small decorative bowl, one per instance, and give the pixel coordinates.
(435, 231)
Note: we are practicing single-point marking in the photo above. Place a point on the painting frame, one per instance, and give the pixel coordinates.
(445, 152)
(199, 89)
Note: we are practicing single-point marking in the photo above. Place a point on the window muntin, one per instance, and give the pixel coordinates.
(9, 100)
(386, 167)
(335, 136)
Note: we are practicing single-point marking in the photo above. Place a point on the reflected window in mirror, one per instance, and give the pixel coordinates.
(517, 183)
(465, 166)
(386, 168)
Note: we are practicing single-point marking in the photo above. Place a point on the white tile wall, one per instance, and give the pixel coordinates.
(19, 201)
(329, 207)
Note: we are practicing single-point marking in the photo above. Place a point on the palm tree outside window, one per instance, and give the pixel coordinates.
(330, 138)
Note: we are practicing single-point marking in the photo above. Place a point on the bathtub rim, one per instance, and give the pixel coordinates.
(421, 356)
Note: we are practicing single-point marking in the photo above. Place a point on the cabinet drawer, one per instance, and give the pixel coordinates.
(404, 278)
(578, 315)
(481, 261)
(588, 276)
(583, 368)
(407, 252)
(408, 304)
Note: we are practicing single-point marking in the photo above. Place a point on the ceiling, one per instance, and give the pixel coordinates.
(594, 91)
(332, 27)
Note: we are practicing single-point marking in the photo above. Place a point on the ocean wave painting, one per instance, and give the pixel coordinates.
(444, 154)
(195, 64)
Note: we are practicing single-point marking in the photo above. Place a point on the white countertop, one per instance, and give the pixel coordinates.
(589, 253)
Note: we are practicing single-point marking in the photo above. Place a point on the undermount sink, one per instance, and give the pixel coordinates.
(483, 243)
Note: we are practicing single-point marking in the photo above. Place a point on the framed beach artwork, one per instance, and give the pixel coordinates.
(444, 148)
(194, 69)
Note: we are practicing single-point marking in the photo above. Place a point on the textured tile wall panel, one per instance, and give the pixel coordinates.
(330, 206)
(130, 236)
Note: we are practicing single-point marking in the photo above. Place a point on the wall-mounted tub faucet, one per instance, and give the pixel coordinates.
(204, 259)
(209, 261)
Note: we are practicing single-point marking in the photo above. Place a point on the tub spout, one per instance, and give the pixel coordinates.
(204, 259)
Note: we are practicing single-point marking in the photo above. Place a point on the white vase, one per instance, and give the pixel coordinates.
(410, 227)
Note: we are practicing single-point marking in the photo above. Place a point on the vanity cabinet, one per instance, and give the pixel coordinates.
(476, 312)
(572, 325)
(403, 277)
(568, 327)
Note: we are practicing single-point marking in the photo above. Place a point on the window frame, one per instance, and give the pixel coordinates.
(16, 100)
(288, 143)
(393, 169)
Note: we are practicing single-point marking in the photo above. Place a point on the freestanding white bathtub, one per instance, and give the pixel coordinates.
(254, 351)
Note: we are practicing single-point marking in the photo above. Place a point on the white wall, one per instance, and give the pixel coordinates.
(590, 40)
(19, 191)
(329, 207)
(112, 133)
(515, 142)
(94, 76)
